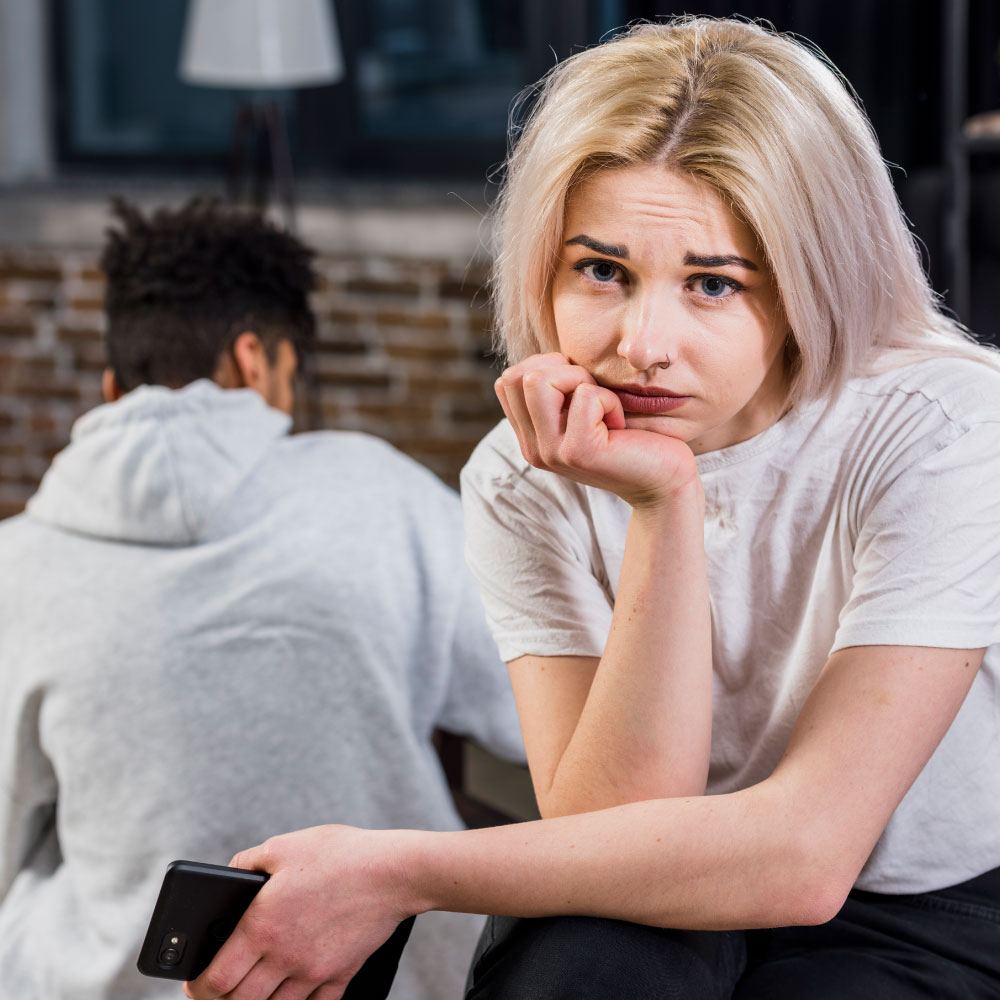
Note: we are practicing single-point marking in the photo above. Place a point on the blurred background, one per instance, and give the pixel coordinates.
(376, 128)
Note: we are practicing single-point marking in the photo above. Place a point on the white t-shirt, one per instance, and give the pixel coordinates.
(872, 519)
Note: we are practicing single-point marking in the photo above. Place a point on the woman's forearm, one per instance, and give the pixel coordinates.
(713, 862)
(706, 862)
(784, 851)
(645, 730)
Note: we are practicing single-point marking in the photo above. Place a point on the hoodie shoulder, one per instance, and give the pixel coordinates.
(154, 467)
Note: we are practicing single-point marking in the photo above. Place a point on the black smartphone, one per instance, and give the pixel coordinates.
(198, 907)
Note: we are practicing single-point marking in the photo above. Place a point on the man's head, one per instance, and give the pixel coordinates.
(204, 292)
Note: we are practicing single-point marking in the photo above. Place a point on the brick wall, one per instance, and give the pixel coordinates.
(403, 353)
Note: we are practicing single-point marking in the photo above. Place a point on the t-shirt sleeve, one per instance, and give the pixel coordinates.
(532, 552)
(927, 557)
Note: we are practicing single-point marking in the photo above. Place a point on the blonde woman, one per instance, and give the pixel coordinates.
(738, 540)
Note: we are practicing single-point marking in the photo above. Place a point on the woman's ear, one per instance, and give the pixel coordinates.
(110, 389)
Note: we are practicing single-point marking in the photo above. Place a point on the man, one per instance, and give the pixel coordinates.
(212, 631)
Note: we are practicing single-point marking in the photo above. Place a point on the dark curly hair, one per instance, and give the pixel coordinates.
(184, 283)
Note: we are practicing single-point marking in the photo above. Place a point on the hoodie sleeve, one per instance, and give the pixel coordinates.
(473, 695)
(480, 702)
(28, 783)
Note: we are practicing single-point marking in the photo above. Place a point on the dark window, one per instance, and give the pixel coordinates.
(427, 90)
(119, 97)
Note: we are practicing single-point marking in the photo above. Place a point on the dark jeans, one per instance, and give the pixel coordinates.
(942, 945)
(374, 979)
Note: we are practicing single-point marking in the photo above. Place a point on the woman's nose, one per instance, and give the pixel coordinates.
(648, 332)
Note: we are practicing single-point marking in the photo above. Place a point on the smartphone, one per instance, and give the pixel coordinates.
(198, 907)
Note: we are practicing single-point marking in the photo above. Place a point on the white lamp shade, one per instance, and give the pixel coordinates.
(261, 43)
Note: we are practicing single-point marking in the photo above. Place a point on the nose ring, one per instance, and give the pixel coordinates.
(664, 365)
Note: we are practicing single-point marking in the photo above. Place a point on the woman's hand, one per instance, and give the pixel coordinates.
(335, 895)
(566, 423)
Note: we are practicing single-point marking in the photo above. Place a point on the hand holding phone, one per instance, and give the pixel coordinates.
(198, 907)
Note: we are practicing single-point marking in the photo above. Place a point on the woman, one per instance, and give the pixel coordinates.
(734, 539)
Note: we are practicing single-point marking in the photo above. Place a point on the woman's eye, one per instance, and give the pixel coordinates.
(715, 286)
(603, 271)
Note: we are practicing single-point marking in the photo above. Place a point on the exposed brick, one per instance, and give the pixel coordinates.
(354, 380)
(41, 422)
(329, 412)
(87, 361)
(341, 346)
(484, 355)
(34, 371)
(390, 315)
(26, 478)
(377, 286)
(341, 315)
(486, 409)
(445, 385)
(11, 270)
(424, 352)
(11, 449)
(424, 445)
(414, 320)
(12, 329)
(469, 289)
(8, 508)
(481, 321)
(78, 334)
(40, 299)
(46, 389)
(397, 412)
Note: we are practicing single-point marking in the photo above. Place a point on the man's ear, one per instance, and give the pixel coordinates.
(251, 362)
(110, 388)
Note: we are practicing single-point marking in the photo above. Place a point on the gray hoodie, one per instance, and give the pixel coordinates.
(212, 632)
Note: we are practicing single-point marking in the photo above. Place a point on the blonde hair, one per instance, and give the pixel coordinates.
(775, 130)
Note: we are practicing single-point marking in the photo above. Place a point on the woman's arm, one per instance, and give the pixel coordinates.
(635, 724)
(785, 851)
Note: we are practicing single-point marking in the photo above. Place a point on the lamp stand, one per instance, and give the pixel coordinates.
(259, 153)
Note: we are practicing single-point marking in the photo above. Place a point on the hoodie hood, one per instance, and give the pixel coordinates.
(154, 466)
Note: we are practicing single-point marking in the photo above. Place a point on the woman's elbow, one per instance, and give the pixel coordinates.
(816, 881)
(816, 902)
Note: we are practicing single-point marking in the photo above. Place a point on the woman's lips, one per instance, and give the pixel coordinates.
(637, 399)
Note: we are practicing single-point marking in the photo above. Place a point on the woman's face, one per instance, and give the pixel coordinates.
(654, 266)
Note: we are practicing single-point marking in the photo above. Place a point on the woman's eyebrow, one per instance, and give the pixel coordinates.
(718, 260)
(690, 259)
(608, 249)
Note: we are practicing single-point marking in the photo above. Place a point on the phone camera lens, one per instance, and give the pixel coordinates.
(170, 956)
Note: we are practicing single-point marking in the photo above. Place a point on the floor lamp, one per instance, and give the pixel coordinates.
(260, 45)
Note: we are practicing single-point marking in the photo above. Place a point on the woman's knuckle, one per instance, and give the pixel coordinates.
(569, 456)
(549, 452)
(218, 983)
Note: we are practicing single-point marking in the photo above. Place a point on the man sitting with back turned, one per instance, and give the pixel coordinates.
(212, 631)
